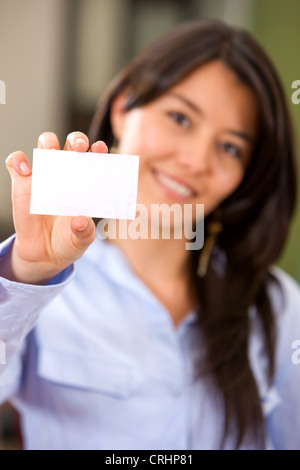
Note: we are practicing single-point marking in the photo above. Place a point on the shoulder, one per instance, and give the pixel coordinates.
(285, 299)
(284, 294)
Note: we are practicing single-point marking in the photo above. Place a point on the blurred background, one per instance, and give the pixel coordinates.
(57, 56)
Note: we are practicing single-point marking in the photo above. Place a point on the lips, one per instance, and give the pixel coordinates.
(174, 186)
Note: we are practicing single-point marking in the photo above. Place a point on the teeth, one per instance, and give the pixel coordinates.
(174, 185)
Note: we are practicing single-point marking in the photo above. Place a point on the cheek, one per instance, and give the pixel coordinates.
(129, 142)
(228, 182)
(153, 145)
(143, 137)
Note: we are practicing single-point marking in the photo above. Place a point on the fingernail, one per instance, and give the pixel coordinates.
(7, 158)
(25, 168)
(79, 144)
(81, 229)
(41, 142)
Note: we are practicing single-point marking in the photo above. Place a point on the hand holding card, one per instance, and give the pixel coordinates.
(54, 225)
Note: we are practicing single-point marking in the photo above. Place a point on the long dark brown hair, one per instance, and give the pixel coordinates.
(255, 218)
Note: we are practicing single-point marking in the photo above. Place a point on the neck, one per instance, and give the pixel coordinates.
(166, 259)
(163, 265)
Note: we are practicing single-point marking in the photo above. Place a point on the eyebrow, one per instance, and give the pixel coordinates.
(185, 100)
(242, 135)
(198, 110)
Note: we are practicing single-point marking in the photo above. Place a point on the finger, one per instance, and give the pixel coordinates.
(77, 141)
(99, 147)
(48, 140)
(20, 173)
(18, 165)
(84, 231)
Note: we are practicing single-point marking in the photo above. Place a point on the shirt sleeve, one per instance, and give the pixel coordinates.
(20, 307)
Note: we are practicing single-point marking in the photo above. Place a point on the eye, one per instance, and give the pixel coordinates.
(230, 149)
(180, 119)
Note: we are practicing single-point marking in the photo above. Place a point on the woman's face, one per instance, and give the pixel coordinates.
(194, 142)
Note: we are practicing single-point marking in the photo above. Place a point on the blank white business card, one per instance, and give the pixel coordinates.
(91, 184)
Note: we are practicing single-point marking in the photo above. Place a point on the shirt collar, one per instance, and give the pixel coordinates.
(113, 264)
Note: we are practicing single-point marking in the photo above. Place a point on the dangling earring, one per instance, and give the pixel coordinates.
(214, 228)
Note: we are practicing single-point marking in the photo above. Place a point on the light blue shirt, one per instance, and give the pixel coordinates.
(93, 361)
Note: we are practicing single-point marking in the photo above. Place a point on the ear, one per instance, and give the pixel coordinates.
(117, 115)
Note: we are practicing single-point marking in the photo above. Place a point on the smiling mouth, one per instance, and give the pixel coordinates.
(174, 186)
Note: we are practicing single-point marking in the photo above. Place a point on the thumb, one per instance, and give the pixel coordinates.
(83, 231)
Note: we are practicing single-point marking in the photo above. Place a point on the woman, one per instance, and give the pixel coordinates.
(150, 345)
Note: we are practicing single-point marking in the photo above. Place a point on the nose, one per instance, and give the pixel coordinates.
(196, 155)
